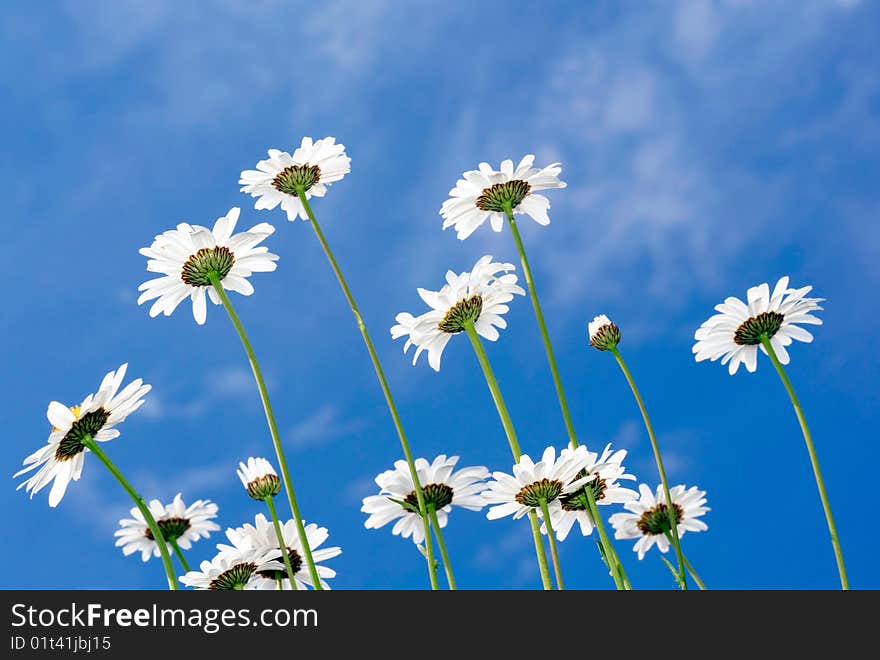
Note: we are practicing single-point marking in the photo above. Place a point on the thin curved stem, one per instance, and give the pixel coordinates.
(554, 552)
(273, 426)
(509, 431)
(673, 522)
(158, 537)
(688, 566)
(282, 544)
(814, 461)
(610, 551)
(447, 565)
(618, 574)
(179, 554)
(383, 383)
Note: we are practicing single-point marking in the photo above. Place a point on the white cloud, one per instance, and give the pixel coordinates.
(325, 424)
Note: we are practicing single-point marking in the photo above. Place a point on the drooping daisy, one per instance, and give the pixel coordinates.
(62, 458)
(191, 257)
(262, 539)
(604, 335)
(648, 517)
(487, 193)
(259, 478)
(443, 488)
(314, 166)
(178, 523)
(478, 297)
(734, 334)
(231, 570)
(603, 472)
(549, 479)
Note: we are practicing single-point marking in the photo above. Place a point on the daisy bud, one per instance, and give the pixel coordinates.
(259, 478)
(604, 335)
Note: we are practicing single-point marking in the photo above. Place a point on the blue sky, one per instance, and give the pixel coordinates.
(708, 146)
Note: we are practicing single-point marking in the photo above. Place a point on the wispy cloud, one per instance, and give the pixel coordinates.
(325, 424)
(219, 386)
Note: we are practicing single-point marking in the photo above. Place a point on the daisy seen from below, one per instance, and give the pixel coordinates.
(486, 193)
(444, 487)
(476, 299)
(603, 472)
(181, 526)
(61, 460)
(194, 260)
(770, 321)
(232, 569)
(739, 328)
(261, 539)
(259, 478)
(538, 487)
(647, 518)
(311, 169)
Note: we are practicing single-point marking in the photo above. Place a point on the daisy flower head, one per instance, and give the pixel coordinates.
(550, 480)
(259, 478)
(647, 518)
(478, 297)
(604, 335)
(192, 258)
(487, 193)
(230, 570)
(60, 461)
(311, 169)
(603, 471)
(261, 539)
(443, 487)
(178, 523)
(734, 334)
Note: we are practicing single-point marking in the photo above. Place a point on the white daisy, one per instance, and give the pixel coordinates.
(442, 486)
(479, 297)
(262, 539)
(232, 570)
(487, 193)
(259, 478)
(313, 166)
(549, 479)
(603, 471)
(191, 255)
(62, 458)
(178, 523)
(648, 520)
(734, 334)
(604, 335)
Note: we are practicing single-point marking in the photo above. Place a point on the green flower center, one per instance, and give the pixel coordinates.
(86, 426)
(460, 314)
(291, 179)
(606, 337)
(296, 563)
(546, 490)
(199, 268)
(171, 528)
(503, 196)
(656, 521)
(233, 579)
(438, 495)
(269, 485)
(576, 501)
(766, 323)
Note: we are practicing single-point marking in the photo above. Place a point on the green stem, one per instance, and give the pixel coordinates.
(447, 565)
(814, 461)
(509, 431)
(554, 552)
(282, 544)
(383, 383)
(280, 583)
(273, 427)
(158, 537)
(673, 522)
(688, 566)
(179, 554)
(610, 550)
(618, 574)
